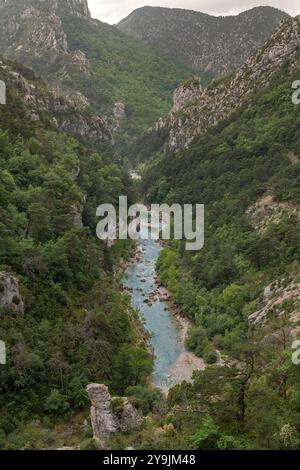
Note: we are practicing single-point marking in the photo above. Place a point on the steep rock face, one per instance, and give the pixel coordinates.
(32, 32)
(75, 7)
(196, 110)
(267, 211)
(77, 209)
(68, 113)
(279, 298)
(60, 41)
(119, 114)
(10, 296)
(110, 415)
(203, 42)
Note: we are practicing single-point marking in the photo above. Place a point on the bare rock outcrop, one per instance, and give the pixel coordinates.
(69, 112)
(119, 114)
(196, 110)
(279, 298)
(201, 41)
(77, 212)
(267, 211)
(110, 415)
(10, 296)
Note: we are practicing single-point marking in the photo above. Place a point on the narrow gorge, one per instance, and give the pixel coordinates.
(166, 326)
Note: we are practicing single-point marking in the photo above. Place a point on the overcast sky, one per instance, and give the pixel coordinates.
(112, 11)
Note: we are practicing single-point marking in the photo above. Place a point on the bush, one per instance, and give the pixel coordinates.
(195, 339)
(144, 398)
(210, 356)
(117, 406)
(56, 403)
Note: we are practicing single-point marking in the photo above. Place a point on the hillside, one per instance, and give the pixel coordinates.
(197, 108)
(63, 319)
(116, 76)
(241, 291)
(204, 43)
(66, 318)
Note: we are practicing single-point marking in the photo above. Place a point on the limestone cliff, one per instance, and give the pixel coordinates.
(68, 112)
(32, 31)
(204, 43)
(282, 297)
(267, 211)
(110, 415)
(10, 296)
(196, 110)
(114, 75)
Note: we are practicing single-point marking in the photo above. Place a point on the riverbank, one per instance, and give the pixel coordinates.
(188, 362)
(166, 326)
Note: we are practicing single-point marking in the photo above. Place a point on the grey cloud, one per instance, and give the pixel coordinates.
(112, 11)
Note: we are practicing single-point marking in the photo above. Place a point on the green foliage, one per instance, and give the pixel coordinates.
(76, 324)
(144, 398)
(56, 403)
(251, 401)
(122, 70)
(207, 436)
(117, 406)
(132, 366)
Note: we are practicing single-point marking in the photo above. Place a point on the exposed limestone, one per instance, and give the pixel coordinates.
(42, 33)
(68, 111)
(76, 7)
(266, 211)
(110, 415)
(196, 110)
(10, 296)
(81, 62)
(187, 93)
(279, 299)
(201, 41)
(119, 114)
(77, 210)
(85, 128)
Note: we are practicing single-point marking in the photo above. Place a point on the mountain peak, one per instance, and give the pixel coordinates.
(75, 7)
(80, 7)
(204, 43)
(203, 108)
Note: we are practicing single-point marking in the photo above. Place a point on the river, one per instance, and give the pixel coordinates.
(172, 362)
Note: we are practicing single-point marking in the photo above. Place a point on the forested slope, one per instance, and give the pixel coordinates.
(242, 290)
(62, 318)
(91, 60)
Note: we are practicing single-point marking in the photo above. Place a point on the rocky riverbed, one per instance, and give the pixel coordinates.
(167, 327)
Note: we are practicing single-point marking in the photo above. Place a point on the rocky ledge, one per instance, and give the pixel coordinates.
(110, 415)
(10, 296)
(280, 298)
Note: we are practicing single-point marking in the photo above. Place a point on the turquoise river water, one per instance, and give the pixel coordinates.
(158, 319)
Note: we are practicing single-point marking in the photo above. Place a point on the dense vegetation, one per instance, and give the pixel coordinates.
(116, 68)
(126, 71)
(252, 154)
(77, 328)
(204, 43)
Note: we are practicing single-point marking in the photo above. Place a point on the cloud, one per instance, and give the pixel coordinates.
(112, 11)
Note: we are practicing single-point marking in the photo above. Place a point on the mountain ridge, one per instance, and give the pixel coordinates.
(224, 42)
(75, 7)
(197, 109)
(83, 56)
